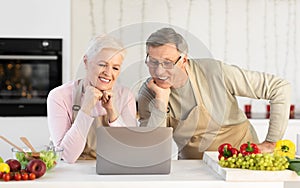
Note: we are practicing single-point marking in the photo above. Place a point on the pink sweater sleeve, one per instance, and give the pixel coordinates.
(72, 137)
(127, 110)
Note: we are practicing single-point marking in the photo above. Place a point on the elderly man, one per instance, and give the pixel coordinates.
(197, 97)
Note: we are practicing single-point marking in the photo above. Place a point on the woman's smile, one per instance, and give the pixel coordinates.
(105, 80)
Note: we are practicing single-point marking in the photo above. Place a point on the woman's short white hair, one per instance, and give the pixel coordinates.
(103, 41)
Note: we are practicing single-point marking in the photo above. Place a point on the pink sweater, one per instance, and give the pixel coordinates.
(72, 137)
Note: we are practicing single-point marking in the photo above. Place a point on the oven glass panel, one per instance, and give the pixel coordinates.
(23, 81)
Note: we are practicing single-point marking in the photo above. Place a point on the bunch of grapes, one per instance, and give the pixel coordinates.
(260, 161)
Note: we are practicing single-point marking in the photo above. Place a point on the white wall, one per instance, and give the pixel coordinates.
(33, 18)
(261, 35)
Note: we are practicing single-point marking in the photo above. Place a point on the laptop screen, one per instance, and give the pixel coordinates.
(134, 150)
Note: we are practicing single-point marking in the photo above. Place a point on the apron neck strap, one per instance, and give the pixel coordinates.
(194, 84)
(77, 93)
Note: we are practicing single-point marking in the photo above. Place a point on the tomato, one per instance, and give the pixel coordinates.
(24, 176)
(6, 177)
(1, 174)
(32, 176)
(12, 175)
(17, 176)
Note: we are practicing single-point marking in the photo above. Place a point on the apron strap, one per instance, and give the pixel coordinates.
(194, 85)
(89, 151)
(77, 92)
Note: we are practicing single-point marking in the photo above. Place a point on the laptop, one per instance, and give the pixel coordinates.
(134, 150)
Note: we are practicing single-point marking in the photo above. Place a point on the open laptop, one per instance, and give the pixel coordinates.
(134, 150)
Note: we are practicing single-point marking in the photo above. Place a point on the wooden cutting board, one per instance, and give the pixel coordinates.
(236, 174)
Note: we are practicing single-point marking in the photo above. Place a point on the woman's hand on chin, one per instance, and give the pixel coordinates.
(91, 96)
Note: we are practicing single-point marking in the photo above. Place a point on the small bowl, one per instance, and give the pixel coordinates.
(49, 154)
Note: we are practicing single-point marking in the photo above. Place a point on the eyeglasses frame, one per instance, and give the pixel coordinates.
(162, 62)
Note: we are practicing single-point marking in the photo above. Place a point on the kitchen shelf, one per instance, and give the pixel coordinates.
(264, 116)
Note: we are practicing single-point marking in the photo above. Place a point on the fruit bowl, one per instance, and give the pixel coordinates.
(49, 154)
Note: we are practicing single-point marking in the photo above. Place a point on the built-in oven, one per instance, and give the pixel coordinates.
(29, 69)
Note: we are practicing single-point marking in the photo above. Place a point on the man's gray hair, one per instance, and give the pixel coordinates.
(167, 35)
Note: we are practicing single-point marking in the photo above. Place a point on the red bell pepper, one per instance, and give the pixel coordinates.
(249, 148)
(226, 150)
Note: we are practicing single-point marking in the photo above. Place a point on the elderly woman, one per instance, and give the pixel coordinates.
(76, 108)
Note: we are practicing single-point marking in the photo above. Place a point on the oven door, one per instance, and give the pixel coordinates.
(25, 83)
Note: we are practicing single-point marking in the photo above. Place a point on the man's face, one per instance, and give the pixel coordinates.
(104, 68)
(165, 76)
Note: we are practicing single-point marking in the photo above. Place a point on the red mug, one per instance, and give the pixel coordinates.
(268, 108)
(292, 111)
(292, 108)
(248, 108)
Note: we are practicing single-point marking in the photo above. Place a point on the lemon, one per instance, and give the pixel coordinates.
(1, 160)
(4, 168)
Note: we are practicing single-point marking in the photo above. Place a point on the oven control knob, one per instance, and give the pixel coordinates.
(45, 44)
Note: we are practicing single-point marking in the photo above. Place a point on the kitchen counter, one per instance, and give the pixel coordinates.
(184, 173)
(266, 116)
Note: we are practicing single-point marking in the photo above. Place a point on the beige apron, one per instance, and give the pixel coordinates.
(89, 152)
(199, 132)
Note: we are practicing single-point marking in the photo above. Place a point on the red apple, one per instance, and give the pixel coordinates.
(36, 166)
(14, 165)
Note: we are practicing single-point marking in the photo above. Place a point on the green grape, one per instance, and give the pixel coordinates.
(226, 163)
(221, 163)
(259, 155)
(265, 161)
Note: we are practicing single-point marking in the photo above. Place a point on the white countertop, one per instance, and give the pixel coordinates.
(191, 173)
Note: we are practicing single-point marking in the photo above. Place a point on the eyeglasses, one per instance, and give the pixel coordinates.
(153, 63)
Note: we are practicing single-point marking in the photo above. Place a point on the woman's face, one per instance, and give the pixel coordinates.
(103, 69)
